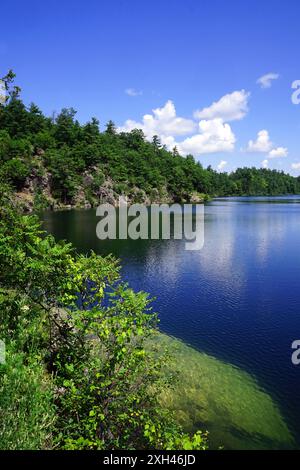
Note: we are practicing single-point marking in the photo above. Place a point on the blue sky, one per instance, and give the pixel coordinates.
(121, 60)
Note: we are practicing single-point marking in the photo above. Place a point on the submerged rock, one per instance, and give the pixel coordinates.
(216, 396)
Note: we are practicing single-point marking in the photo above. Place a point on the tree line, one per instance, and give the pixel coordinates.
(81, 157)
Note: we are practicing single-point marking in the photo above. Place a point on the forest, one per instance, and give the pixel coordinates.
(56, 161)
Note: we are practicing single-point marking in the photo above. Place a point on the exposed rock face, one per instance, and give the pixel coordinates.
(107, 194)
(37, 184)
(139, 196)
(80, 200)
(94, 189)
(26, 200)
(196, 198)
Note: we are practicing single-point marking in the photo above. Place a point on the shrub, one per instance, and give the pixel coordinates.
(70, 313)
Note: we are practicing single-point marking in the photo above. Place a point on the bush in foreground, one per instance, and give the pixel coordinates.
(75, 338)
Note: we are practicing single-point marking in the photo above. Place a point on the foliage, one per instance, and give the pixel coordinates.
(70, 151)
(27, 413)
(75, 338)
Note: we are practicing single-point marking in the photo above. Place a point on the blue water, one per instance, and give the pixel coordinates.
(238, 298)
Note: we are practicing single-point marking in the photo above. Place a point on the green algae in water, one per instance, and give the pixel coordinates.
(215, 396)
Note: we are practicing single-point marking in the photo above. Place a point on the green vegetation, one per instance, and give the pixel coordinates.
(77, 373)
(223, 398)
(57, 161)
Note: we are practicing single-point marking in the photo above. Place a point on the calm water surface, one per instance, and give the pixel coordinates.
(237, 299)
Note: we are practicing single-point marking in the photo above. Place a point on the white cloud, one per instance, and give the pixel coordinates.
(3, 92)
(133, 92)
(278, 152)
(231, 107)
(222, 165)
(214, 136)
(261, 144)
(162, 122)
(266, 80)
(265, 163)
(210, 135)
(296, 166)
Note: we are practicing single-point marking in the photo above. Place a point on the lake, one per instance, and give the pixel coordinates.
(237, 299)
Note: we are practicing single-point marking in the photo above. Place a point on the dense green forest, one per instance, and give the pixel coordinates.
(54, 161)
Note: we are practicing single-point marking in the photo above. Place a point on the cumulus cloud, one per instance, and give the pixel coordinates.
(231, 107)
(266, 80)
(222, 165)
(295, 166)
(261, 144)
(211, 134)
(214, 136)
(278, 152)
(133, 92)
(162, 122)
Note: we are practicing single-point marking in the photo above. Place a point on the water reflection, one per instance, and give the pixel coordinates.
(236, 299)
